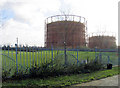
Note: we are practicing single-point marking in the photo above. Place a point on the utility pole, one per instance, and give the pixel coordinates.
(17, 41)
(17, 44)
(65, 53)
(65, 40)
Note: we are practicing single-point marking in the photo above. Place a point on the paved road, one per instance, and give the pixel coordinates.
(110, 81)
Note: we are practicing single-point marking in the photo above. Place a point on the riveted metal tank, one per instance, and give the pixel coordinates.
(102, 42)
(69, 29)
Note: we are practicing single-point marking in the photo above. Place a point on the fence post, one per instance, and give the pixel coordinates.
(27, 54)
(118, 56)
(24, 55)
(108, 59)
(65, 53)
(35, 55)
(96, 54)
(52, 56)
(77, 56)
(41, 56)
(5, 54)
(20, 56)
(95, 51)
(30, 50)
(100, 57)
(0, 66)
(16, 59)
(46, 55)
(12, 52)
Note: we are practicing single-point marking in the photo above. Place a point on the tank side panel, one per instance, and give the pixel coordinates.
(71, 32)
(102, 42)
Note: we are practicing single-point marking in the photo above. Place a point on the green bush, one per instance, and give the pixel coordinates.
(93, 66)
(20, 74)
(5, 74)
(49, 70)
(46, 70)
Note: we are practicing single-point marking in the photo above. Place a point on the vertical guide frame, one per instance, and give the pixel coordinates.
(119, 32)
(0, 67)
(119, 40)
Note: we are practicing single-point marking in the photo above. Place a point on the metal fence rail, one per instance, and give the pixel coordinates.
(24, 57)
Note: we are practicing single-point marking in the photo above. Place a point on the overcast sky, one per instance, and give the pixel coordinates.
(25, 18)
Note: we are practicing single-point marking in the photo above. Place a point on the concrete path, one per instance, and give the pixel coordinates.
(110, 81)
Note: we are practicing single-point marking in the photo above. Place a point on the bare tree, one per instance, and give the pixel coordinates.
(66, 30)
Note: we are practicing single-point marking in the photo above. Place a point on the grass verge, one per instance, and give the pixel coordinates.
(62, 80)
